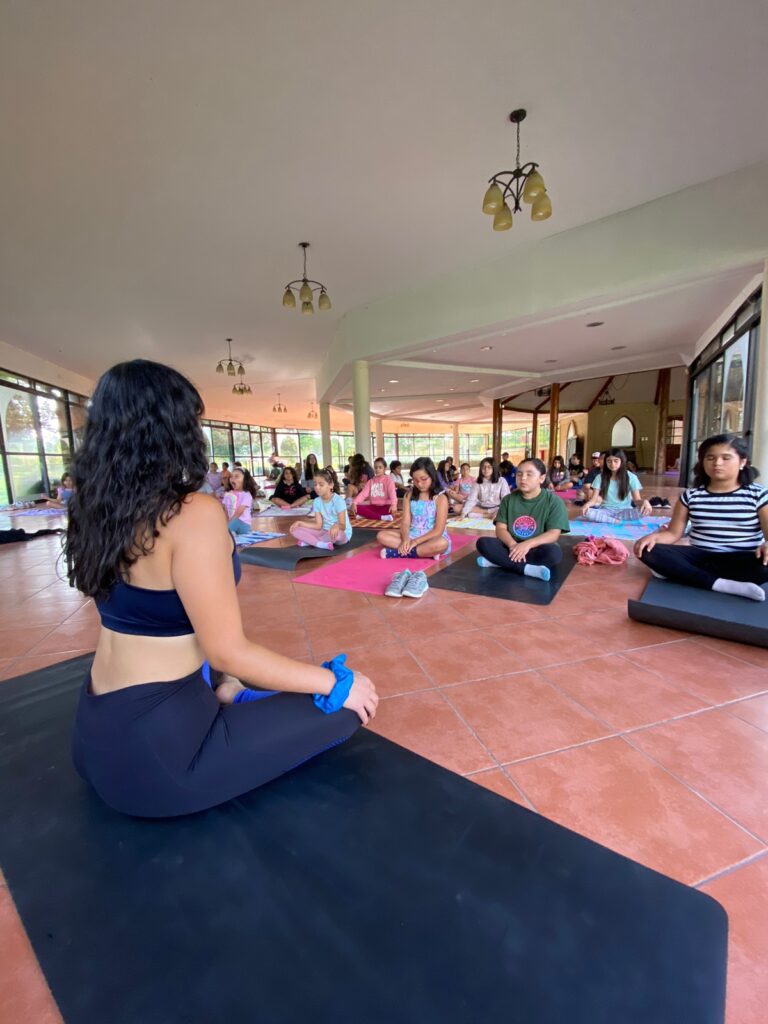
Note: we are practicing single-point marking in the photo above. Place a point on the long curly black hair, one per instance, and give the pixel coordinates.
(143, 452)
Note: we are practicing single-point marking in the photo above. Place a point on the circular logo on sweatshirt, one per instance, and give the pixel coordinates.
(524, 526)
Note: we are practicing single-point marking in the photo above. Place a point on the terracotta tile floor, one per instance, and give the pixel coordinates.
(652, 742)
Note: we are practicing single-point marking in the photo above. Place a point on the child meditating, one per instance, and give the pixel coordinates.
(238, 500)
(728, 515)
(331, 526)
(422, 533)
(613, 491)
(528, 527)
(377, 499)
(462, 488)
(485, 497)
(288, 492)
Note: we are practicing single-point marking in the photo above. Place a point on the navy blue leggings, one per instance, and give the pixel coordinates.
(158, 750)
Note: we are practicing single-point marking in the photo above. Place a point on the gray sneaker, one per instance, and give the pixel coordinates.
(398, 583)
(417, 585)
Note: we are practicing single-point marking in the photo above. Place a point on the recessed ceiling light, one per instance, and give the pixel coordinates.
(550, 360)
(439, 399)
(617, 348)
(596, 323)
(382, 389)
(451, 389)
(394, 382)
(486, 348)
(475, 380)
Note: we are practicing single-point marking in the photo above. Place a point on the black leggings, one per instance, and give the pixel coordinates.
(697, 567)
(157, 750)
(498, 553)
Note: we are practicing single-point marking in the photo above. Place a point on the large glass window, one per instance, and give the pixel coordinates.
(723, 381)
(21, 444)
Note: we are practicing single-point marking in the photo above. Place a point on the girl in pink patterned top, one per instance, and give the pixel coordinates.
(378, 498)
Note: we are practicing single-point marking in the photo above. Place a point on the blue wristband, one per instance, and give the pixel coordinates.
(344, 679)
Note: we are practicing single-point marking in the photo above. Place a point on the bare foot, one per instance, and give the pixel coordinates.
(228, 689)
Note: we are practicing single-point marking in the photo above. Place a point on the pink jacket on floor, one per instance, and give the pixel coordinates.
(379, 491)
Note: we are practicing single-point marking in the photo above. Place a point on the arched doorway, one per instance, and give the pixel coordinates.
(623, 433)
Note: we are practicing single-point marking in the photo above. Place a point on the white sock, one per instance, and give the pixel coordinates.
(739, 589)
(302, 544)
(484, 563)
(326, 545)
(539, 572)
(657, 575)
(387, 519)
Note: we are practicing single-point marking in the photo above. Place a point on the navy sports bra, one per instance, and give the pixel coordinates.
(144, 612)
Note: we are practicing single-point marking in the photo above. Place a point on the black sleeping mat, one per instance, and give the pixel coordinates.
(368, 884)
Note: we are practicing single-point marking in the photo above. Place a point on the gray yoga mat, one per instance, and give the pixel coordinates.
(288, 557)
(702, 611)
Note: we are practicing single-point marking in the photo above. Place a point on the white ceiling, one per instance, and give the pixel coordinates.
(160, 162)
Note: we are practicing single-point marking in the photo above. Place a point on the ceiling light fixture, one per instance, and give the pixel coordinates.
(475, 380)
(312, 414)
(617, 348)
(524, 183)
(550, 360)
(306, 288)
(394, 382)
(486, 348)
(596, 323)
(233, 367)
(279, 407)
(241, 388)
(606, 398)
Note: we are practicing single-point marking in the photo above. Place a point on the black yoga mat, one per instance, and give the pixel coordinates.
(663, 603)
(288, 557)
(466, 577)
(369, 884)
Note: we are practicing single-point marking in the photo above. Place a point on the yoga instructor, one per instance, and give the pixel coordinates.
(150, 735)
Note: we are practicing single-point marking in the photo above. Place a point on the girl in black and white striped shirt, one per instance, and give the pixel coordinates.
(728, 514)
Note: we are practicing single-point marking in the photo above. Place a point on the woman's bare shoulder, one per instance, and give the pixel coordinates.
(197, 510)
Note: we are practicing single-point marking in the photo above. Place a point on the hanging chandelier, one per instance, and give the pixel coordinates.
(279, 407)
(306, 288)
(312, 414)
(241, 388)
(524, 183)
(234, 367)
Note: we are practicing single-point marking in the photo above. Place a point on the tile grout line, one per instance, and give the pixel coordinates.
(692, 789)
(759, 855)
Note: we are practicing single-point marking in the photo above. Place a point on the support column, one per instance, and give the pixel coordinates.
(273, 435)
(659, 462)
(535, 436)
(361, 404)
(554, 413)
(759, 438)
(456, 445)
(379, 423)
(325, 434)
(498, 416)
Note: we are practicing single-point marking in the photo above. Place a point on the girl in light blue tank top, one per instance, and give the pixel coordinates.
(422, 533)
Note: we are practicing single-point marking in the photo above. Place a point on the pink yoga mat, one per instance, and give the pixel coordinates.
(369, 573)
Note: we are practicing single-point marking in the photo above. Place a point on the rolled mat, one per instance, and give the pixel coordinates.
(368, 883)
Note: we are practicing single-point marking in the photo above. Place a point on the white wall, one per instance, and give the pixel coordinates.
(18, 361)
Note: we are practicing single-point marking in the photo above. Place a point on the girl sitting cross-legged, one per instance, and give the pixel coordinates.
(331, 526)
(462, 487)
(528, 526)
(289, 493)
(485, 497)
(613, 491)
(377, 499)
(238, 500)
(728, 515)
(425, 513)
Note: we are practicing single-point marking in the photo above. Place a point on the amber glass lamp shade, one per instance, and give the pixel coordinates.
(493, 200)
(289, 299)
(534, 187)
(502, 220)
(542, 207)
